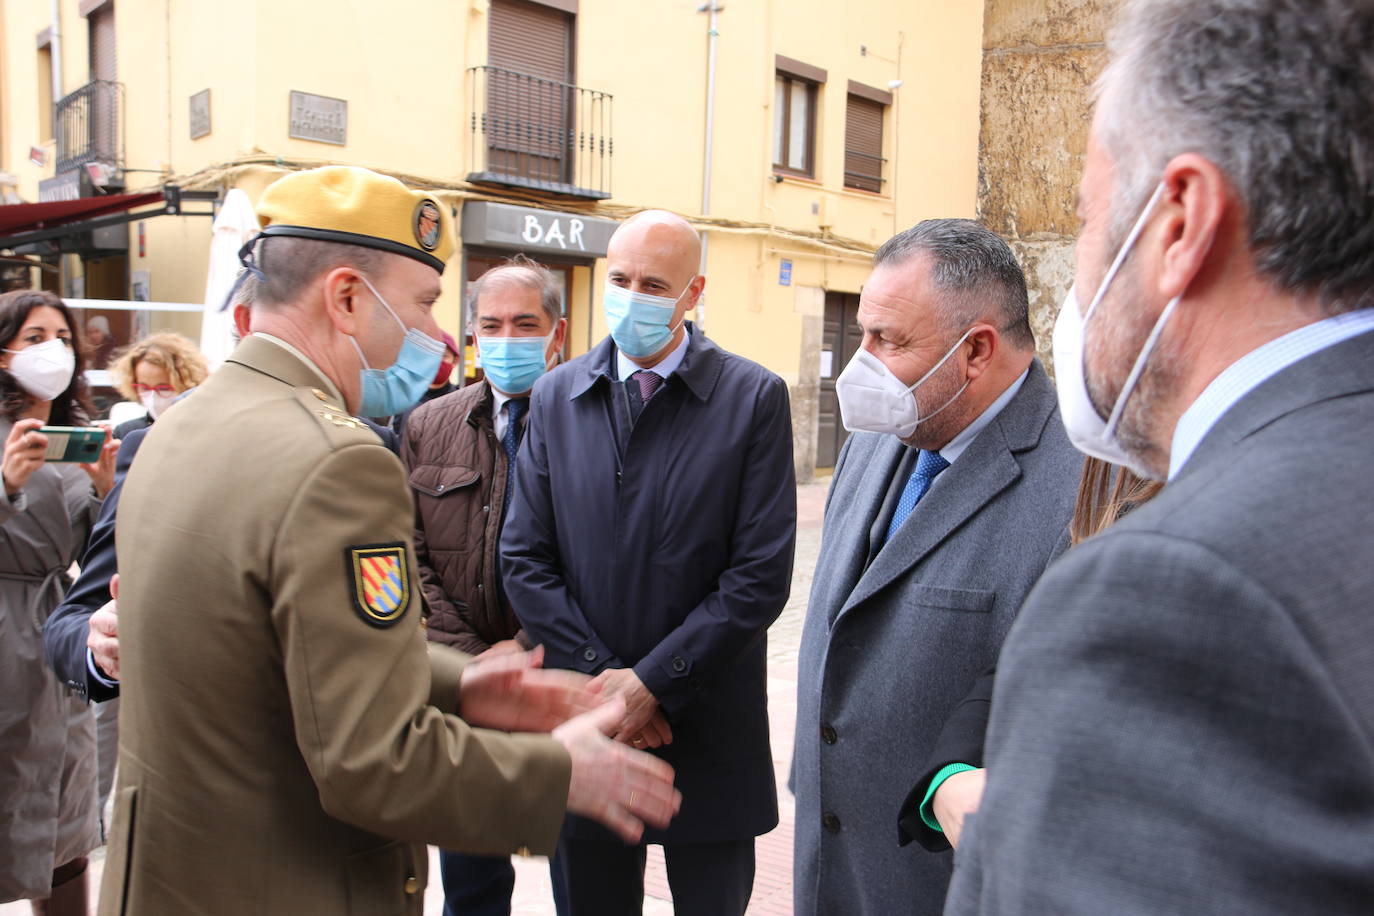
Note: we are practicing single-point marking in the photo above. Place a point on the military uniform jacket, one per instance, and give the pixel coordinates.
(284, 737)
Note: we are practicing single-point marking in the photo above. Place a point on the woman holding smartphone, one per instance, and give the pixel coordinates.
(47, 736)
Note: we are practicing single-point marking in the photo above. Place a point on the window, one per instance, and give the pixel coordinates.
(863, 137)
(794, 116)
(529, 109)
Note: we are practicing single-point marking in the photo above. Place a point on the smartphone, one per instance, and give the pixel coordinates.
(73, 443)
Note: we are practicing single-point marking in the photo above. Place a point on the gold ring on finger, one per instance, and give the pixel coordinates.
(631, 805)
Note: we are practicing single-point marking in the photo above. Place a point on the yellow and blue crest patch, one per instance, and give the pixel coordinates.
(381, 582)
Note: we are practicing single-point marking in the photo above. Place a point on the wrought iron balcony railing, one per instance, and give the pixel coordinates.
(531, 132)
(89, 126)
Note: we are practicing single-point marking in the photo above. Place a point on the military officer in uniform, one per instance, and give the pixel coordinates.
(288, 739)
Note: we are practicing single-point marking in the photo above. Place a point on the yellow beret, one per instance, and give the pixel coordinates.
(356, 206)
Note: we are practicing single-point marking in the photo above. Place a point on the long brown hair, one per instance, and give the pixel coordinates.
(1105, 493)
(73, 406)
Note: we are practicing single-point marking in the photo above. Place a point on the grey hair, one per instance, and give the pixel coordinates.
(289, 265)
(973, 263)
(245, 290)
(521, 271)
(1279, 95)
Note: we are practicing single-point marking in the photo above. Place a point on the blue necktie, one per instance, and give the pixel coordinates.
(515, 409)
(928, 466)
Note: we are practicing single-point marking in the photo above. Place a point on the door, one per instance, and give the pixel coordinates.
(838, 345)
(478, 264)
(529, 91)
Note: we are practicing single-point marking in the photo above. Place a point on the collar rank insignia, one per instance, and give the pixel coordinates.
(380, 582)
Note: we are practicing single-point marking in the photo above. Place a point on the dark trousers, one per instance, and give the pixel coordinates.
(476, 885)
(596, 878)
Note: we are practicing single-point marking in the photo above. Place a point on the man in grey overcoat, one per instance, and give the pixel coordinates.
(1183, 717)
(948, 501)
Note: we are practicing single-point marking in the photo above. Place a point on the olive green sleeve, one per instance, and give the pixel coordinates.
(361, 680)
(445, 672)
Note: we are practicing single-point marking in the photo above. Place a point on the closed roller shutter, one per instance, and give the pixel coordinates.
(530, 38)
(103, 112)
(102, 23)
(863, 144)
(529, 98)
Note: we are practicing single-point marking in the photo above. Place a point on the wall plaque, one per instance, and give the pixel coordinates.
(318, 117)
(200, 114)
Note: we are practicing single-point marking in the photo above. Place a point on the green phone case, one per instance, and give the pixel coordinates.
(73, 443)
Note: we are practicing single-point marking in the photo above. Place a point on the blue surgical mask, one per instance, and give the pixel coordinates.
(390, 391)
(513, 364)
(639, 322)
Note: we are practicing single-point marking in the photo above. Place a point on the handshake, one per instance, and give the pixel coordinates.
(594, 719)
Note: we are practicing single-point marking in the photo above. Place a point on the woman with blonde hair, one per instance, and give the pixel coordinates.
(155, 372)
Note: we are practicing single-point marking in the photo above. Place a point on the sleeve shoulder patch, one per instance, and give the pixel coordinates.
(379, 582)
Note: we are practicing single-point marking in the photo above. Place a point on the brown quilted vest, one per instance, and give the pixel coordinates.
(457, 470)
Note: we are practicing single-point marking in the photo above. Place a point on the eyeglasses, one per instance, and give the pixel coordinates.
(163, 390)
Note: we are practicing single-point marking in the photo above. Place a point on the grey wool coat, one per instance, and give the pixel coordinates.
(1183, 719)
(891, 646)
(48, 802)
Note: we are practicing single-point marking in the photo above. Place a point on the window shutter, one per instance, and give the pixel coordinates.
(102, 25)
(530, 38)
(863, 144)
(529, 118)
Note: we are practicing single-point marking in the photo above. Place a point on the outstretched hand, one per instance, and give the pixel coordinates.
(623, 789)
(511, 692)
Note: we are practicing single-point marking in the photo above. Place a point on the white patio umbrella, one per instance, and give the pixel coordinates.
(234, 225)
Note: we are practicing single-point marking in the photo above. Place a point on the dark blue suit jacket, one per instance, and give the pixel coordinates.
(64, 634)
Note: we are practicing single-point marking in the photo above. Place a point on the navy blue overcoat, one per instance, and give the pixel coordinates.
(665, 546)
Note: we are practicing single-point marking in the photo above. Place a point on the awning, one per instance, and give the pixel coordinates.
(27, 224)
(22, 218)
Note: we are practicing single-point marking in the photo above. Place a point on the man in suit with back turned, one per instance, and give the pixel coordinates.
(1183, 719)
(948, 501)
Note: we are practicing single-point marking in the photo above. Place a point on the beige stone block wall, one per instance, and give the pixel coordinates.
(1040, 59)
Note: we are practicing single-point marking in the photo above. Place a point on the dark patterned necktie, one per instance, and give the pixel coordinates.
(515, 409)
(648, 383)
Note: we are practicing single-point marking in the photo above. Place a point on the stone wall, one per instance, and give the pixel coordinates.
(1040, 58)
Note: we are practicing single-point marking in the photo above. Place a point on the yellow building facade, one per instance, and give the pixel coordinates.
(819, 130)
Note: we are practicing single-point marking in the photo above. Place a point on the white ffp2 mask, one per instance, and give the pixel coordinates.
(44, 370)
(874, 400)
(1088, 431)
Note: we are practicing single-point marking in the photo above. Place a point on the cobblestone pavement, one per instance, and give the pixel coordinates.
(773, 879)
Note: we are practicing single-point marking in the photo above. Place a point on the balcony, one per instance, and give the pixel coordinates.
(89, 126)
(531, 132)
